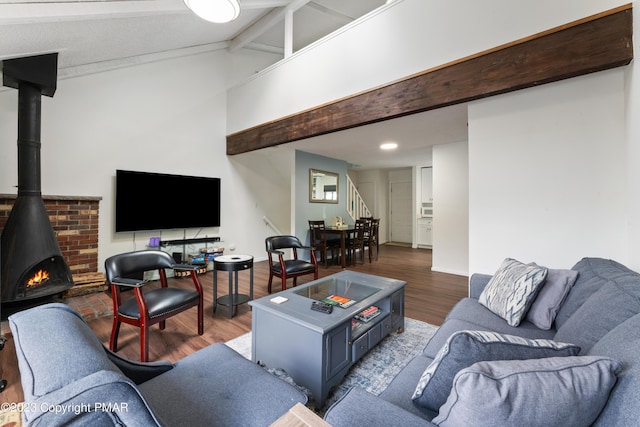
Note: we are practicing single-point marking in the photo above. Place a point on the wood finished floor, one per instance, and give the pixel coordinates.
(429, 296)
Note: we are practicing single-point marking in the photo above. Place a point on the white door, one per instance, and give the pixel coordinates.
(400, 212)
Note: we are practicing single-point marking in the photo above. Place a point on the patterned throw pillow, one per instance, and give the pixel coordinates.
(464, 348)
(512, 289)
(555, 391)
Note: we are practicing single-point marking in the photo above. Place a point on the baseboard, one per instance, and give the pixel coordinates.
(449, 271)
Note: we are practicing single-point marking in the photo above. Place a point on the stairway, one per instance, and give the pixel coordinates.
(356, 207)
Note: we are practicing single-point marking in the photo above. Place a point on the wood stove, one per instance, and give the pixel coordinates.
(31, 261)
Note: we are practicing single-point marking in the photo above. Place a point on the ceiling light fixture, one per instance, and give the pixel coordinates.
(389, 146)
(218, 11)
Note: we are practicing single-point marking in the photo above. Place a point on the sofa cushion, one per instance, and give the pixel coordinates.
(400, 390)
(622, 343)
(216, 386)
(469, 314)
(568, 391)
(464, 348)
(612, 304)
(357, 407)
(63, 365)
(551, 295)
(593, 274)
(38, 349)
(512, 289)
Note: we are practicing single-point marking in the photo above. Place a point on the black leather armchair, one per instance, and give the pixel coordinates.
(154, 305)
(289, 268)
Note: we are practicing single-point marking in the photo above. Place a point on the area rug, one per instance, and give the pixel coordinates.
(374, 371)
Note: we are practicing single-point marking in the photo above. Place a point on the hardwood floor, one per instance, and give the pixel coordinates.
(429, 296)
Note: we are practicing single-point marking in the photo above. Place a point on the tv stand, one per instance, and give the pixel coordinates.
(189, 241)
(185, 242)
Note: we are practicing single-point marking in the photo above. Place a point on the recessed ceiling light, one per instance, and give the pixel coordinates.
(389, 146)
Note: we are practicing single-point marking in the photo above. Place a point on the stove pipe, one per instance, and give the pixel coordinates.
(29, 120)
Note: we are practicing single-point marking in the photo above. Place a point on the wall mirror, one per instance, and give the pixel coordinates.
(323, 186)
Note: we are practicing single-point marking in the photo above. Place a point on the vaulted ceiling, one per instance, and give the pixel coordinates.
(95, 34)
(98, 35)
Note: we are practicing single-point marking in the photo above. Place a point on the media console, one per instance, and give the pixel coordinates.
(317, 348)
(184, 243)
(189, 241)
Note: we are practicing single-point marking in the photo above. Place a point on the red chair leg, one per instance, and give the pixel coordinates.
(113, 342)
(269, 285)
(144, 343)
(284, 283)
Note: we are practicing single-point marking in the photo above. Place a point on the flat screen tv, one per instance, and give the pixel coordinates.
(156, 201)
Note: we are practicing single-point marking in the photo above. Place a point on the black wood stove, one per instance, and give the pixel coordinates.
(31, 262)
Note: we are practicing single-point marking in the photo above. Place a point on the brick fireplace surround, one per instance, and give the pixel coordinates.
(75, 222)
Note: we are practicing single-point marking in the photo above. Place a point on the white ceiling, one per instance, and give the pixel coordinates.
(414, 134)
(94, 31)
(95, 35)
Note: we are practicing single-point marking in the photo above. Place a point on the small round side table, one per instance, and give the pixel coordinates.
(233, 264)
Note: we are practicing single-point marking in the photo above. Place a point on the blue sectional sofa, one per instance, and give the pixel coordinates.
(588, 374)
(69, 378)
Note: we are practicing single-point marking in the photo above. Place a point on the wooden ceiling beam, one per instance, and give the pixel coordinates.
(597, 43)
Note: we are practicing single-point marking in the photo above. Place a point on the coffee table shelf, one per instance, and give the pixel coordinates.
(317, 349)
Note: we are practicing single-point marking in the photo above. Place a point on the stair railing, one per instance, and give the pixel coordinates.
(356, 207)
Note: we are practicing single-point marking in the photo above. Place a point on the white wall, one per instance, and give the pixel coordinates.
(265, 176)
(168, 116)
(310, 78)
(548, 174)
(305, 210)
(581, 137)
(632, 120)
(451, 208)
(406, 37)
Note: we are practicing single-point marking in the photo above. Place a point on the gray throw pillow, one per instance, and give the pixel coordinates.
(556, 391)
(512, 289)
(551, 295)
(464, 348)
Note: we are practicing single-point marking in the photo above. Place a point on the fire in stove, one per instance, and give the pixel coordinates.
(39, 278)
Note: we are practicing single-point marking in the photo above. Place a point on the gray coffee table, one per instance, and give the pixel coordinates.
(317, 349)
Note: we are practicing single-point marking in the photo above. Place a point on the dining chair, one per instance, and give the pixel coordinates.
(357, 240)
(293, 267)
(372, 239)
(323, 244)
(150, 306)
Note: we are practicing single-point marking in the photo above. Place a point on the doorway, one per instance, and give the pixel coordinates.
(400, 212)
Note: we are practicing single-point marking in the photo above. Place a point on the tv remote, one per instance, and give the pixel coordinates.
(322, 307)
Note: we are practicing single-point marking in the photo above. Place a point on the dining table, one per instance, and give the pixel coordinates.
(344, 232)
